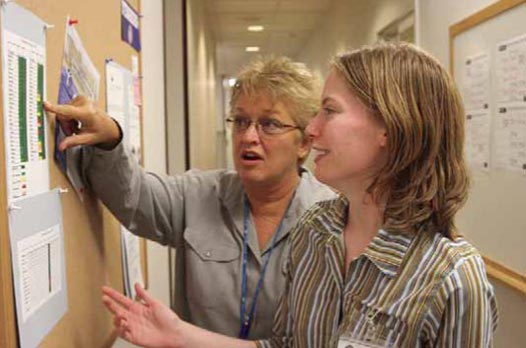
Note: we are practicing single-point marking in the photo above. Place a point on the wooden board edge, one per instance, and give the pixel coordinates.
(506, 275)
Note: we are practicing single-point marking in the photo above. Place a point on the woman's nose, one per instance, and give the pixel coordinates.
(312, 128)
(251, 133)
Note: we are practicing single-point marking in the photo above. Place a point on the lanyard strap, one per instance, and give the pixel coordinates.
(244, 317)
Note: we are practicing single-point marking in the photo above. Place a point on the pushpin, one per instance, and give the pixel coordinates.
(72, 21)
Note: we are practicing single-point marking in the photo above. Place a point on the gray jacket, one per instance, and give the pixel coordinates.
(201, 214)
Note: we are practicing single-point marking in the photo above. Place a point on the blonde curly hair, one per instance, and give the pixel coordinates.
(282, 80)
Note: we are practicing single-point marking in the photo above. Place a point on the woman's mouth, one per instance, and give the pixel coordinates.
(250, 157)
(319, 153)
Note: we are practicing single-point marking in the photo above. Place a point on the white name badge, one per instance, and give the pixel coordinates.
(345, 342)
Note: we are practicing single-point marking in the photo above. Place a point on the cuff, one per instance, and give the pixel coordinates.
(112, 145)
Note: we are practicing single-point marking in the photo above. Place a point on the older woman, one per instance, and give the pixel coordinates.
(383, 264)
(230, 228)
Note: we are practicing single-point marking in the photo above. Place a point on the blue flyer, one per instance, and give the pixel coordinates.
(130, 26)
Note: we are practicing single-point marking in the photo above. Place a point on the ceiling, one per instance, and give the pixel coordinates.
(288, 24)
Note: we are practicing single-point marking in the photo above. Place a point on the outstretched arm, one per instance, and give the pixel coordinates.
(86, 124)
(149, 205)
(149, 323)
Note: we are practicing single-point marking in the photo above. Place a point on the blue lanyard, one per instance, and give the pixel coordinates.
(244, 318)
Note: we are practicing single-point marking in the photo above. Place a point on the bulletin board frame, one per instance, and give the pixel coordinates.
(92, 239)
(497, 269)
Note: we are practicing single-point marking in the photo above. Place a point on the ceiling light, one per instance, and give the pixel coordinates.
(255, 28)
(252, 49)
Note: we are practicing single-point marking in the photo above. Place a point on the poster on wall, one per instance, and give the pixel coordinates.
(78, 76)
(120, 94)
(23, 79)
(475, 87)
(130, 32)
(39, 269)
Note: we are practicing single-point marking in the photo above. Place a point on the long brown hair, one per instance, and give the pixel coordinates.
(424, 180)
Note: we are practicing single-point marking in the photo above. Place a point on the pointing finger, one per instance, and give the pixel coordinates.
(68, 111)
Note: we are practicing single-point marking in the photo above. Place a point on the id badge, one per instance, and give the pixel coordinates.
(347, 342)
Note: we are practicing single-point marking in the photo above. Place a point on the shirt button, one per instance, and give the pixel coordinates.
(208, 253)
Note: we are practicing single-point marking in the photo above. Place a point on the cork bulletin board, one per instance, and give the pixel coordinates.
(92, 241)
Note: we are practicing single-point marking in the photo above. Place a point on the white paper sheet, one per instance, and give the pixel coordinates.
(131, 254)
(39, 258)
(510, 139)
(81, 68)
(39, 269)
(27, 168)
(78, 76)
(115, 93)
(477, 127)
(511, 72)
(476, 82)
(134, 126)
(120, 96)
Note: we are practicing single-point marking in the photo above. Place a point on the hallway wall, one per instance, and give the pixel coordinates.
(202, 88)
(349, 25)
(434, 21)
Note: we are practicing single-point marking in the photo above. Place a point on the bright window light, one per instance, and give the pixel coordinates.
(252, 48)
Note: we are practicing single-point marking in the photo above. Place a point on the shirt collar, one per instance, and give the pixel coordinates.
(387, 249)
(230, 192)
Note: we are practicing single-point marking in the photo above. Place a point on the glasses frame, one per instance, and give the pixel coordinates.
(283, 128)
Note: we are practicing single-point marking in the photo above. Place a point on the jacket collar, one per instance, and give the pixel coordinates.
(229, 191)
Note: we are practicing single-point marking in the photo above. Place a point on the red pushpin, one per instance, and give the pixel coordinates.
(73, 21)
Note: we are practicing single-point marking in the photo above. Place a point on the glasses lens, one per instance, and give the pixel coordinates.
(271, 126)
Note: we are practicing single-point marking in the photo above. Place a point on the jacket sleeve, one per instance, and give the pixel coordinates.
(147, 204)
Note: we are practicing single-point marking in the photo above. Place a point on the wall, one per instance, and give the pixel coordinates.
(202, 87)
(175, 85)
(435, 17)
(349, 25)
(154, 127)
(153, 131)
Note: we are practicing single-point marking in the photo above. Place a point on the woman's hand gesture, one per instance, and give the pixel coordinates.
(145, 322)
(84, 124)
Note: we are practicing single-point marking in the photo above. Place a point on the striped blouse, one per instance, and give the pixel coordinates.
(419, 290)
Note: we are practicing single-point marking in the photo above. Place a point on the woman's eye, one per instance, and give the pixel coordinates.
(241, 121)
(269, 123)
(328, 111)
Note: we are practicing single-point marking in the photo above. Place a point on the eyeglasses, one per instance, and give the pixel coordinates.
(269, 126)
